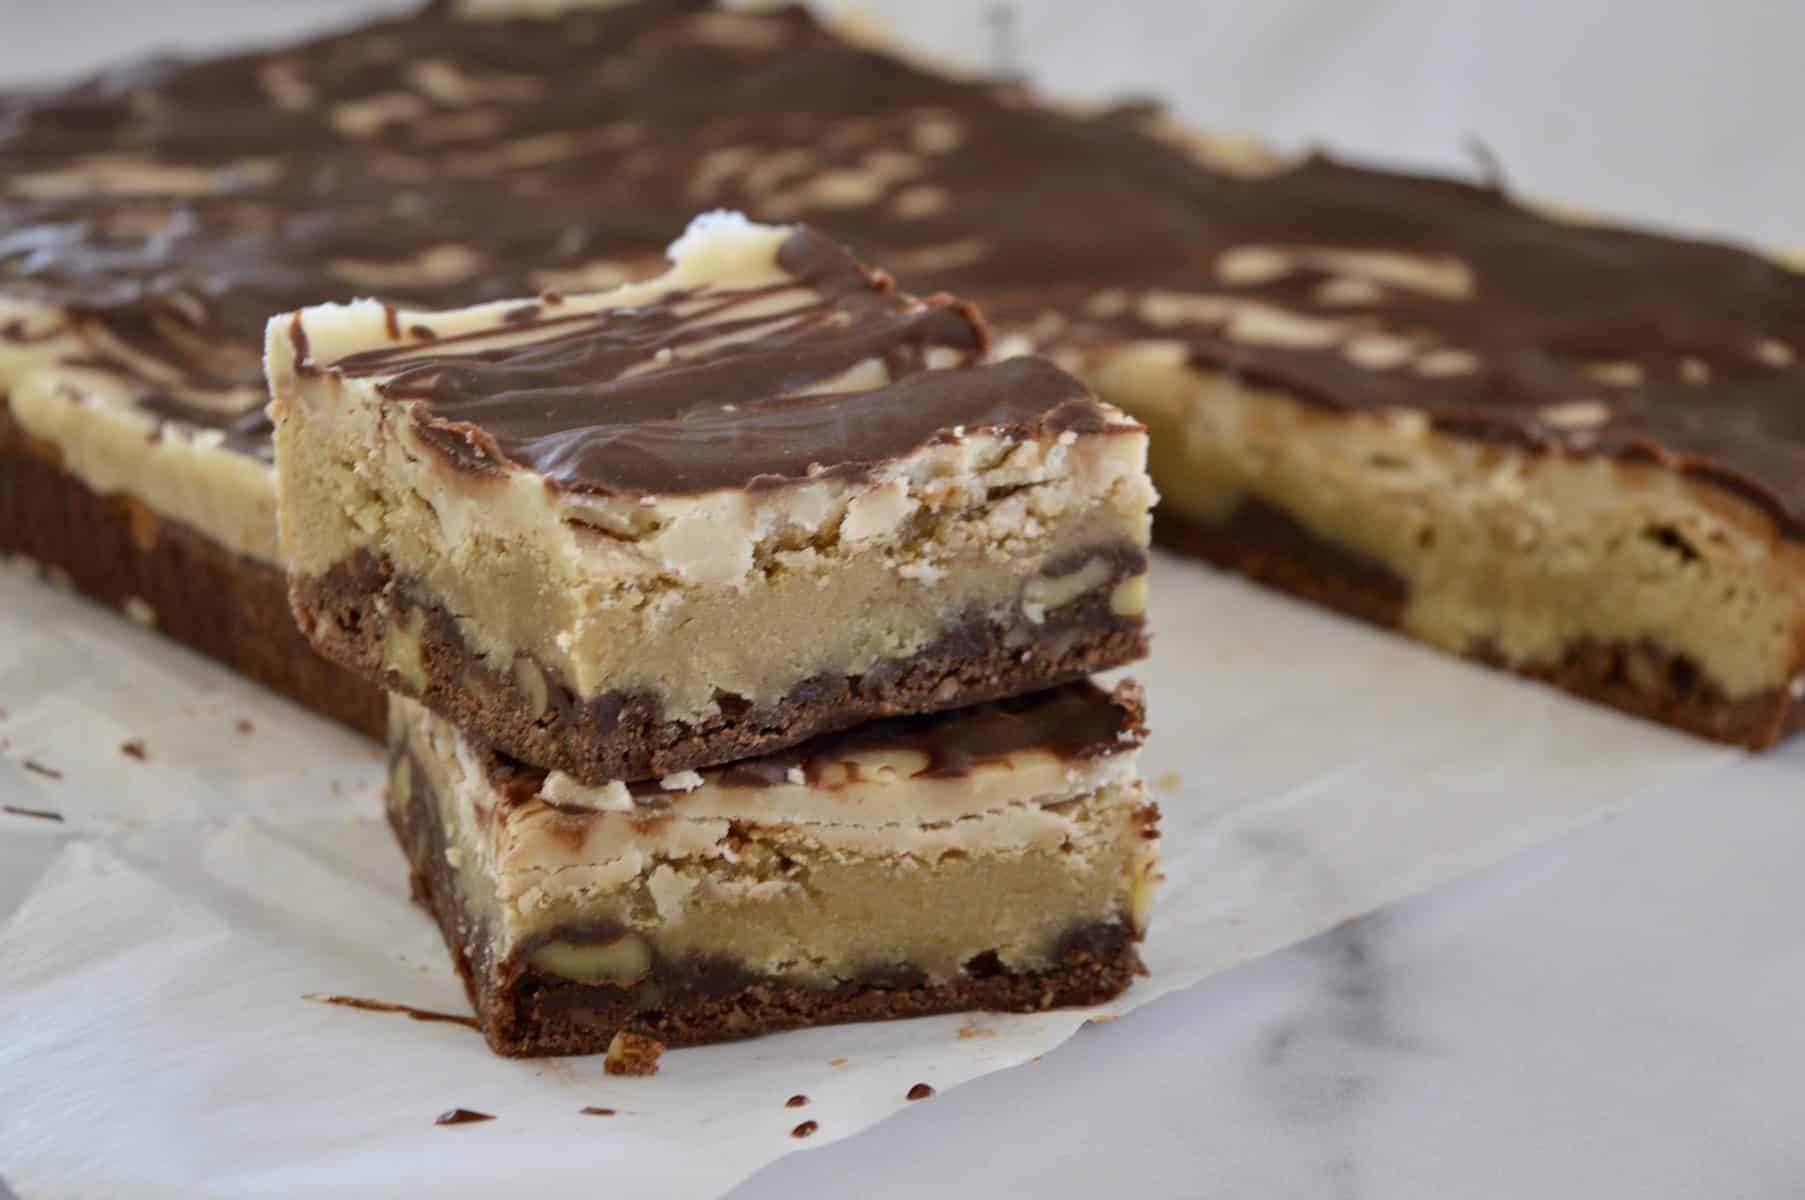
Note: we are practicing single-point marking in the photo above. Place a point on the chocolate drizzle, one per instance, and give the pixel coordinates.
(713, 388)
(41, 814)
(407, 1010)
(439, 162)
(1077, 722)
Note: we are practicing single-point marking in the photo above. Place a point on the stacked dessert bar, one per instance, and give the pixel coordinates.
(1573, 451)
(738, 625)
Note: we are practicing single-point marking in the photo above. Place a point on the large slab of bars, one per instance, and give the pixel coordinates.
(1568, 449)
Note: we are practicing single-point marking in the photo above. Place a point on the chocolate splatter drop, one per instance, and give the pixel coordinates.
(461, 1116)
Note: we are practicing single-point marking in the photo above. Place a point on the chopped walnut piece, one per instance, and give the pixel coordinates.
(632, 1054)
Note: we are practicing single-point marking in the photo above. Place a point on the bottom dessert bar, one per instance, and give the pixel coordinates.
(1001, 857)
(170, 578)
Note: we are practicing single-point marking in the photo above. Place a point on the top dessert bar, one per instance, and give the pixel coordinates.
(1572, 449)
(765, 495)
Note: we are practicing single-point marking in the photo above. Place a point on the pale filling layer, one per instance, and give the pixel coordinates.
(1501, 550)
(813, 884)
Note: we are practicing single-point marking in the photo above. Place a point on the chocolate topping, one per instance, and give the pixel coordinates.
(438, 162)
(1076, 722)
(644, 398)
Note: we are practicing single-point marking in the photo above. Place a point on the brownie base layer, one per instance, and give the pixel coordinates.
(625, 736)
(173, 578)
(1266, 544)
(526, 1012)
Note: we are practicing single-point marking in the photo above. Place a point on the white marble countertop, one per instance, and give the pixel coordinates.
(1612, 1015)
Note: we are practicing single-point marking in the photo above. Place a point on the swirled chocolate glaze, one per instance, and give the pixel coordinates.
(436, 161)
(721, 385)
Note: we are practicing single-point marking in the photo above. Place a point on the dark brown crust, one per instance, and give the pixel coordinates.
(523, 1012)
(226, 605)
(1267, 544)
(625, 736)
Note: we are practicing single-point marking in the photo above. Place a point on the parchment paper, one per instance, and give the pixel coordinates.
(154, 1035)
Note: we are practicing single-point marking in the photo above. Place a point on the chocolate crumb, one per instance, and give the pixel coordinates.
(805, 1129)
(42, 814)
(921, 1091)
(242, 725)
(462, 1116)
(39, 768)
(836, 1062)
(632, 1054)
(796, 1101)
(592, 1111)
(134, 749)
